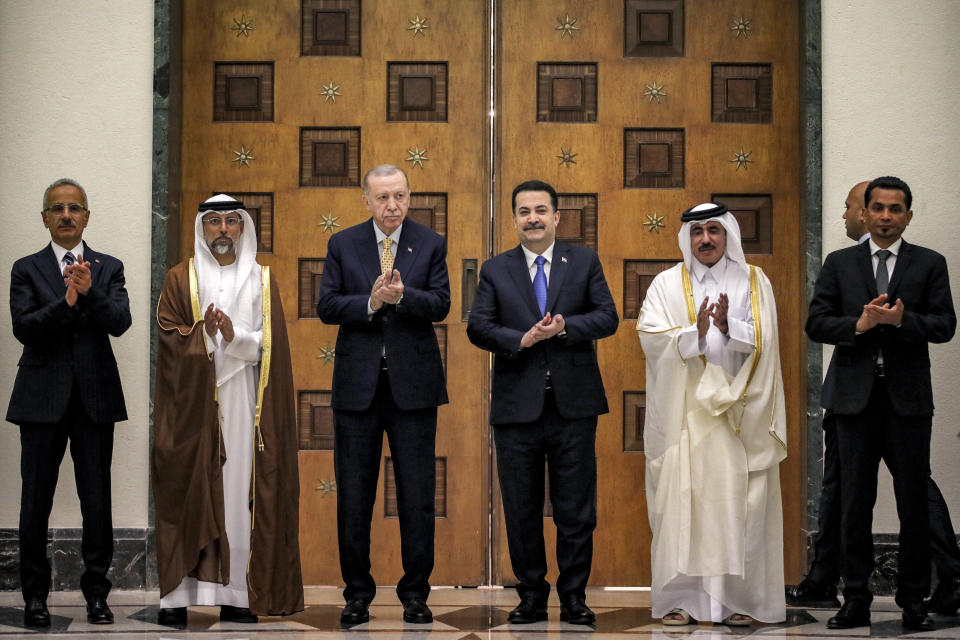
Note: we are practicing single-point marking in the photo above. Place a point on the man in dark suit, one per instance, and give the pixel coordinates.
(538, 308)
(881, 303)
(385, 282)
(819, 587)
(65, 302)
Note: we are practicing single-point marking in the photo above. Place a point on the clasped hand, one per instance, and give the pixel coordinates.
(215, 320)
(77, 278)
(388, 289)
(717, 311)
(548, 327)
(879, 311)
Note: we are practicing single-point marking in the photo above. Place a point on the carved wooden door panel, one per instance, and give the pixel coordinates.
(285, 105)
(633, 109)
(636, 110)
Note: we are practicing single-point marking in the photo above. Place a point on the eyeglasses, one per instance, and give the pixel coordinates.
(215, 222)
(59, 208)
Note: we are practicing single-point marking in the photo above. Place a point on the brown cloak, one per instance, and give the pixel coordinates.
(188, 456)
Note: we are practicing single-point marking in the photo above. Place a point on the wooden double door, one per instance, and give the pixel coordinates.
(633, 109)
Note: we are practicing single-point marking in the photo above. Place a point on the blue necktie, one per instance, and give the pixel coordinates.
(540, 285)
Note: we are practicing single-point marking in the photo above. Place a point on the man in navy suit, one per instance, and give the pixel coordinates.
(66, 301)
(881, 303)
(538, 308)
(385, 283)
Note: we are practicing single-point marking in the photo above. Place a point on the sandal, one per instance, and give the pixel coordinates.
(682, 618)
(737, 620)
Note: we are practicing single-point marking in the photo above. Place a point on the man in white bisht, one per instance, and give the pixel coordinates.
(714, 432)
(230, 296)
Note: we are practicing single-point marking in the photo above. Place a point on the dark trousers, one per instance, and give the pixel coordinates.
(358, 444)
(42, 448)
(825, 568)
(943, 540)
(903, 443)
(568, 448)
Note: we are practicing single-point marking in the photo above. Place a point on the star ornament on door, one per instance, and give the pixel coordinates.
(417, 157)
(742, 158)
(243, 157)
(243, 26)
(566, 26)
(417, 25)
(567, 157)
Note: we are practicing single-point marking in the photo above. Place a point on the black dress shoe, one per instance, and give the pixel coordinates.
(915, 617)
(237, 614)
(416, 611)
(98, 612)
(810, 594)
(575, 611)
(35, 613)
(853, 613)
(530, 610)
(946, 598)
(356, 612)
(172, 616)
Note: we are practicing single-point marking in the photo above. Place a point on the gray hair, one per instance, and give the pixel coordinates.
(382, 170)
(63, 182)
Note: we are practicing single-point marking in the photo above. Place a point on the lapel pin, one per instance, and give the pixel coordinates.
(563, 259)
(409, 249)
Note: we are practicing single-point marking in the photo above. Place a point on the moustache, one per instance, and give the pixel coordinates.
(67, 224)
(706, 247)
(534, 225)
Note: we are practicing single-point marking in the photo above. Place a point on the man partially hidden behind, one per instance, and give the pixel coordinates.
(819, 587)
(538, 309)
(385, 283)
(66, 302)
(715, 431)
(224, 467)
(880, 303)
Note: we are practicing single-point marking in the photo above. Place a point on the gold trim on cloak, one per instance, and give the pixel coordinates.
(691, 307)
(197, 311)
(261, 387)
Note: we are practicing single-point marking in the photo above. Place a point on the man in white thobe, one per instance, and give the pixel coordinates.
(715, 431)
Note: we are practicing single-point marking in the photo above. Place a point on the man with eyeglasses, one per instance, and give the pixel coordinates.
(224, 464)
(66, 301)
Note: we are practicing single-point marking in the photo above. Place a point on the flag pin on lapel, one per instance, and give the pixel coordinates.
(563, 259)
(409, 249)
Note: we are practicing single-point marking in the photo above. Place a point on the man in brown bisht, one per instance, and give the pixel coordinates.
(224, 467)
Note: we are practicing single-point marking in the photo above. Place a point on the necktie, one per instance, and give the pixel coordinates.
(68, 260)
(540, 285)
(386, 258)
(883, 278)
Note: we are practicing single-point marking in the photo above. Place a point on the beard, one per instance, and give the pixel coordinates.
(221, 246)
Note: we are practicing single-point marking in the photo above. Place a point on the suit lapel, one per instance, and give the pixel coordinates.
(558, 271)
(49, 268)
(408, 248)
(903, 262)
(520, 273)
(91, 256)
(865, 264)
(365, 244)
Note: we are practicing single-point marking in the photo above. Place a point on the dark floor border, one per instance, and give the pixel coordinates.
(128, 570)
(132, 560)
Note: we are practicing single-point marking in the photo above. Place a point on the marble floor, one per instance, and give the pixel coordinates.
(459, 614)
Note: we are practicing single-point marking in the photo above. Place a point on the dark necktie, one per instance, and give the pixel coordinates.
(883, 278)
(540, 285)
(68, 260)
